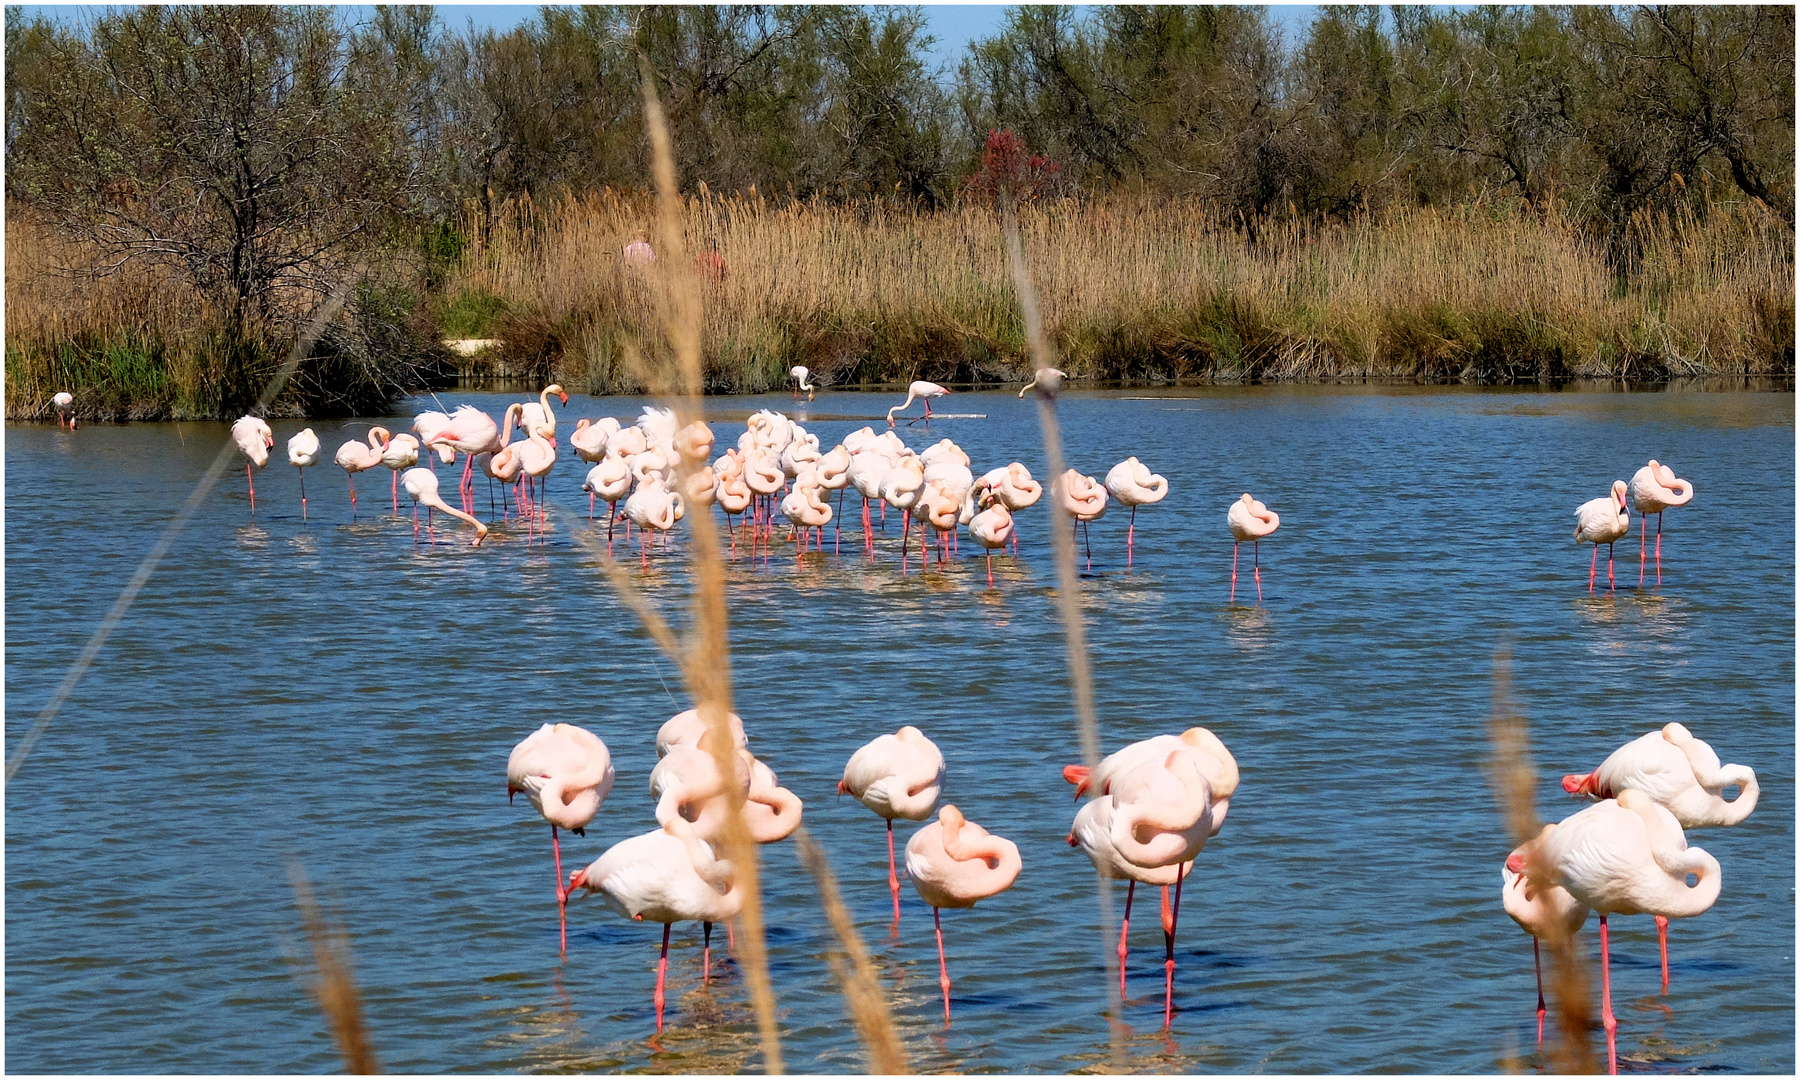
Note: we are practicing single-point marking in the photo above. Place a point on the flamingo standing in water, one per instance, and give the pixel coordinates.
(1085, 500)
(590, 437)
(897, 776)
(954, 862)
(469, 431)
(922, 390)
(303, 451)
(254, 438)
(799, 374)
(536, 417)
(64, 403)
(685, 729)
(991, 528)
(653, 508)
(1602, 521)
(669, 875)
(354, 457)
(402, 453)
(834, 475)
(1249, 520)
(1179, 785)
(1015, 488)
(566, 772)
(1047, 377)
(1546, 912)
(1134, 485)
(536, 455)
(1624, 856)
(422, 485)
(1655, 488)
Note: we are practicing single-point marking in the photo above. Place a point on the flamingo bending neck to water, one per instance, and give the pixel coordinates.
(422, 485)
(64, 402)
(923, 390)
(799, 375)
(954, 862)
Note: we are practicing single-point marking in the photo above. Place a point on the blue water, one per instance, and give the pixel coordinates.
(330, 696)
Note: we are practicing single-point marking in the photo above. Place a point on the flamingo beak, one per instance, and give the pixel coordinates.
(1072, 841)
(577, 879)
(842, 788)
(1516, 862)
(565, 398)
(269, 441)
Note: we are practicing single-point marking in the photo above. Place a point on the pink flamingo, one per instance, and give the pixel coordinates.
(1602, 521)
(536, 455)
(1624, 856)
(1546, 912)
(991, 528)
(897, 776)
(468, 432)
(954, 862)
(303, 452)
(685, 728)
(1134, 485)
(254, 439)
(590, 437)
(354, 457)
(1015, 489)
(401, 453)
(422, 485)
(669, 875)
(566, 772)
(1249, 520)
(834, 475)
(65, 409)
(1677, 770)
(1655, 488)
(1085, 500)
(922, 390)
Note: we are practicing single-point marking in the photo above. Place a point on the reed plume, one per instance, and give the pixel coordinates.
(334, 980)
(1515, 786)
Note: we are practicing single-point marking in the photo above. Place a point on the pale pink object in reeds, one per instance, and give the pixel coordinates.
(1680, 772)
(1249, 520)
(1655, 488)
(667, 876)
(923, 390)
(1546, 912)
(954, 862)
(566, 772)
(422, 485)
(254, 440)
(1624, 856)
(1602, 521)
(897, 776)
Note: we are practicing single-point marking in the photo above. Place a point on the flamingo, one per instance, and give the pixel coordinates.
(303, 450)
(402, 453)
(609, 481)
(686, 783)
(954, 862)
(729, 489)
(422, 485)
(693, 443)
(805, 506)
(503, 463)
(1546, 912)
(1134, 485)
(900, 489)
(1623, 856)
(536, 417)
(1602, 521)
(1014, 487)
(992, 528)
(685, 729)
(1047, 377)
(1085, 500)
(536, 456)
(868, 471)
(834, 475)
(64, 403)
(354, 457)
(897, 776)
(1180, 785)
(939, 511)
(669, 875)
(763, 475)
(254, 439)
(1678, 771)
(428, 426)
(799, 373)
(469, 431)
(1249, 520)
(590, 437)
(922, 390)
(566, 772)
(652, 507)
(771, 812)
(1655, 488)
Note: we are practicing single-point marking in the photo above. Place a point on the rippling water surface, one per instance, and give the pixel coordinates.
(329, 694)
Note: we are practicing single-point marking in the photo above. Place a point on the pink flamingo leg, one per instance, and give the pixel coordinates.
(302, 473)
(1606, 1011)
(1125, 929)
(1538, 964)
(1234, 555)
(1169, 942)
(1642, 536)
(662, 971)
(1659, 548)
(250, 476)
(415, 523)
(1130, 535)
(706, 957)
(990, 568)
(394, 488)
(1610, 584)
(1256, 558)
(562, 893)
(893, 874)
(943, 968)
(1662, 941)
(352, 477)
(1593, 566)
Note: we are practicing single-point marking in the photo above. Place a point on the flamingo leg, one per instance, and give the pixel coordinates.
(1256, 558)
(1130, 535)
(838, 535)
(562, 892)
(990, 568)
(1607, 1019)
(394, 489)
(662, 971)
(1234, 555)
(893, 875)
(1642, 537)
(352, 477)
(1662, 941)
(1659, 547)
(1593, 566)
(943, 968)
(250, 476)
(1125, 929)
(1088, 540)
(1169, 939)
(415, 523)
(302, 473)
(1610, 584)
(1537, 963)
(706, 956)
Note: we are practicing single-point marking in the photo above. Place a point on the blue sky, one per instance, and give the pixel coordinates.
(954, 25)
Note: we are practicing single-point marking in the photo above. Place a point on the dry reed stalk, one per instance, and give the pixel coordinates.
(335, 981)
(862, 990)
(1515, 786)
(1068, 593)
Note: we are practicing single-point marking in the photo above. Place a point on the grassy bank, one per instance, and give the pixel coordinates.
(1132, 292)
(1145, 293)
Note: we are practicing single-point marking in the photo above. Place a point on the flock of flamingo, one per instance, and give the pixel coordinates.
(1152, 805)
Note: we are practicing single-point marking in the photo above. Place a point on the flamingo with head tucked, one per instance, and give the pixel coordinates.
(254, 439)
(897, 776)
(1546, 912)
(590, 437)
(1677, 770)
(566, 772)
(303, 451)
(401, 453)
(1602, 521)
(1655, 488)
(1085, 500)
(991, 528)
(1624, 856)
(1134, 485)
(1249, 520)
(922, 390)
(954, 862)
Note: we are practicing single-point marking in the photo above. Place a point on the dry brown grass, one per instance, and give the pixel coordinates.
(1151, 290)
(334, 981)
